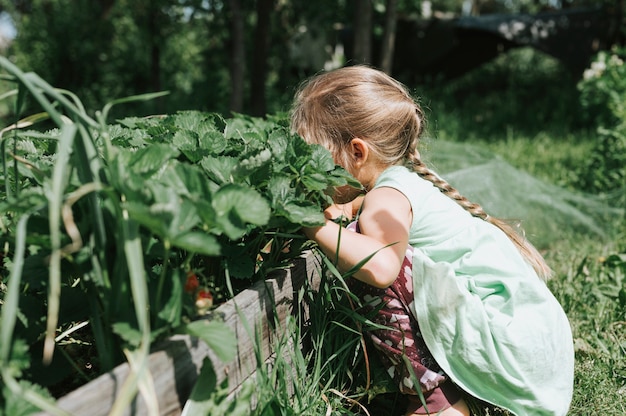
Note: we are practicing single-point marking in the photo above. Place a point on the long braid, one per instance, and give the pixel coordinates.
(529, 252)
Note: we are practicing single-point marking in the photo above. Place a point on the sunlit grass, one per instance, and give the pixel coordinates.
(593, 295)
(556, 160)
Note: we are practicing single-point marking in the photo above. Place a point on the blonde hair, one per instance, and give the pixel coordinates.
(334, 107)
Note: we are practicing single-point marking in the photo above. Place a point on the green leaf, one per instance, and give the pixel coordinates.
(315, 181)
(170, 216)
(213, 142)
(197, 121)
(19, 359)
(159, 133)
(298, 153)
(236, 206)
(216, 335)
(278, 145)
(197, 242)
(187, 142)
(207, 214)
(156, 223)
(340, 177)
(615, 260)
(126, 137)
(250, 164)
(219, 169)
(130, 122)
(188, 180)
(184, 216)
(205, 384)
(15, 405)
(303, 213)
(188, 120)
(151, 159)
(237, 125)
(321, 159)
(280, 190)
(129, 334)
(254, 139)
(173, 309)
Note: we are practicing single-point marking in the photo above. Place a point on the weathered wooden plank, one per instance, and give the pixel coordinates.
(175, 364)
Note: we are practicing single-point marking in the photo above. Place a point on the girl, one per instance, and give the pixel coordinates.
(463, 295)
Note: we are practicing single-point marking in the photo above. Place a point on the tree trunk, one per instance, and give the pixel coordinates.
(259, 57)
(389, 37)
(155, 53)
(106, 7)
(237, 56)
(363, 32)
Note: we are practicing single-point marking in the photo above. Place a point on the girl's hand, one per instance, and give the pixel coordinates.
(348, 210)
(356, 205)
(338, 211)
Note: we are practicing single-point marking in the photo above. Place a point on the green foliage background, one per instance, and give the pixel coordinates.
(522, 117)
(104, 50)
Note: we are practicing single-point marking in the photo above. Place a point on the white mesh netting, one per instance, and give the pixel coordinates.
(546, 212)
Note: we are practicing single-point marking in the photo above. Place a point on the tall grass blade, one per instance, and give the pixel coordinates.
(12, 296)
(103, 116)
(139, 289)
(60, 177)
(89, 165)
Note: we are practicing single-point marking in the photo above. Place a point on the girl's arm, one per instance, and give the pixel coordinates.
(384, 229)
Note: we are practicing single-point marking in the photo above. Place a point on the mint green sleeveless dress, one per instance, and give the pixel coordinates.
(491, 324)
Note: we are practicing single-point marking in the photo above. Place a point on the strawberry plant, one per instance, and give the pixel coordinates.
(115, 235)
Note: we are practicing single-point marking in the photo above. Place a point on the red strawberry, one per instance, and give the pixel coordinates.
(204, 294)
(204, 301)
(192, 282)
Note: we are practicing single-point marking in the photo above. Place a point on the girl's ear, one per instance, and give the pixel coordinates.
(359, 151)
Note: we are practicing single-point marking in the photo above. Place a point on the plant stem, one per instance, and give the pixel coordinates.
(162, 276)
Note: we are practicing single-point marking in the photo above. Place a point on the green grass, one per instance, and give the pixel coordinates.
(591, 290)
(556, 160)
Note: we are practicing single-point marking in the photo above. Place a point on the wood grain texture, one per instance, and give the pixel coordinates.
(176, 362)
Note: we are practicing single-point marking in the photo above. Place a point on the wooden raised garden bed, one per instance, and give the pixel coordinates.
(176, 362)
